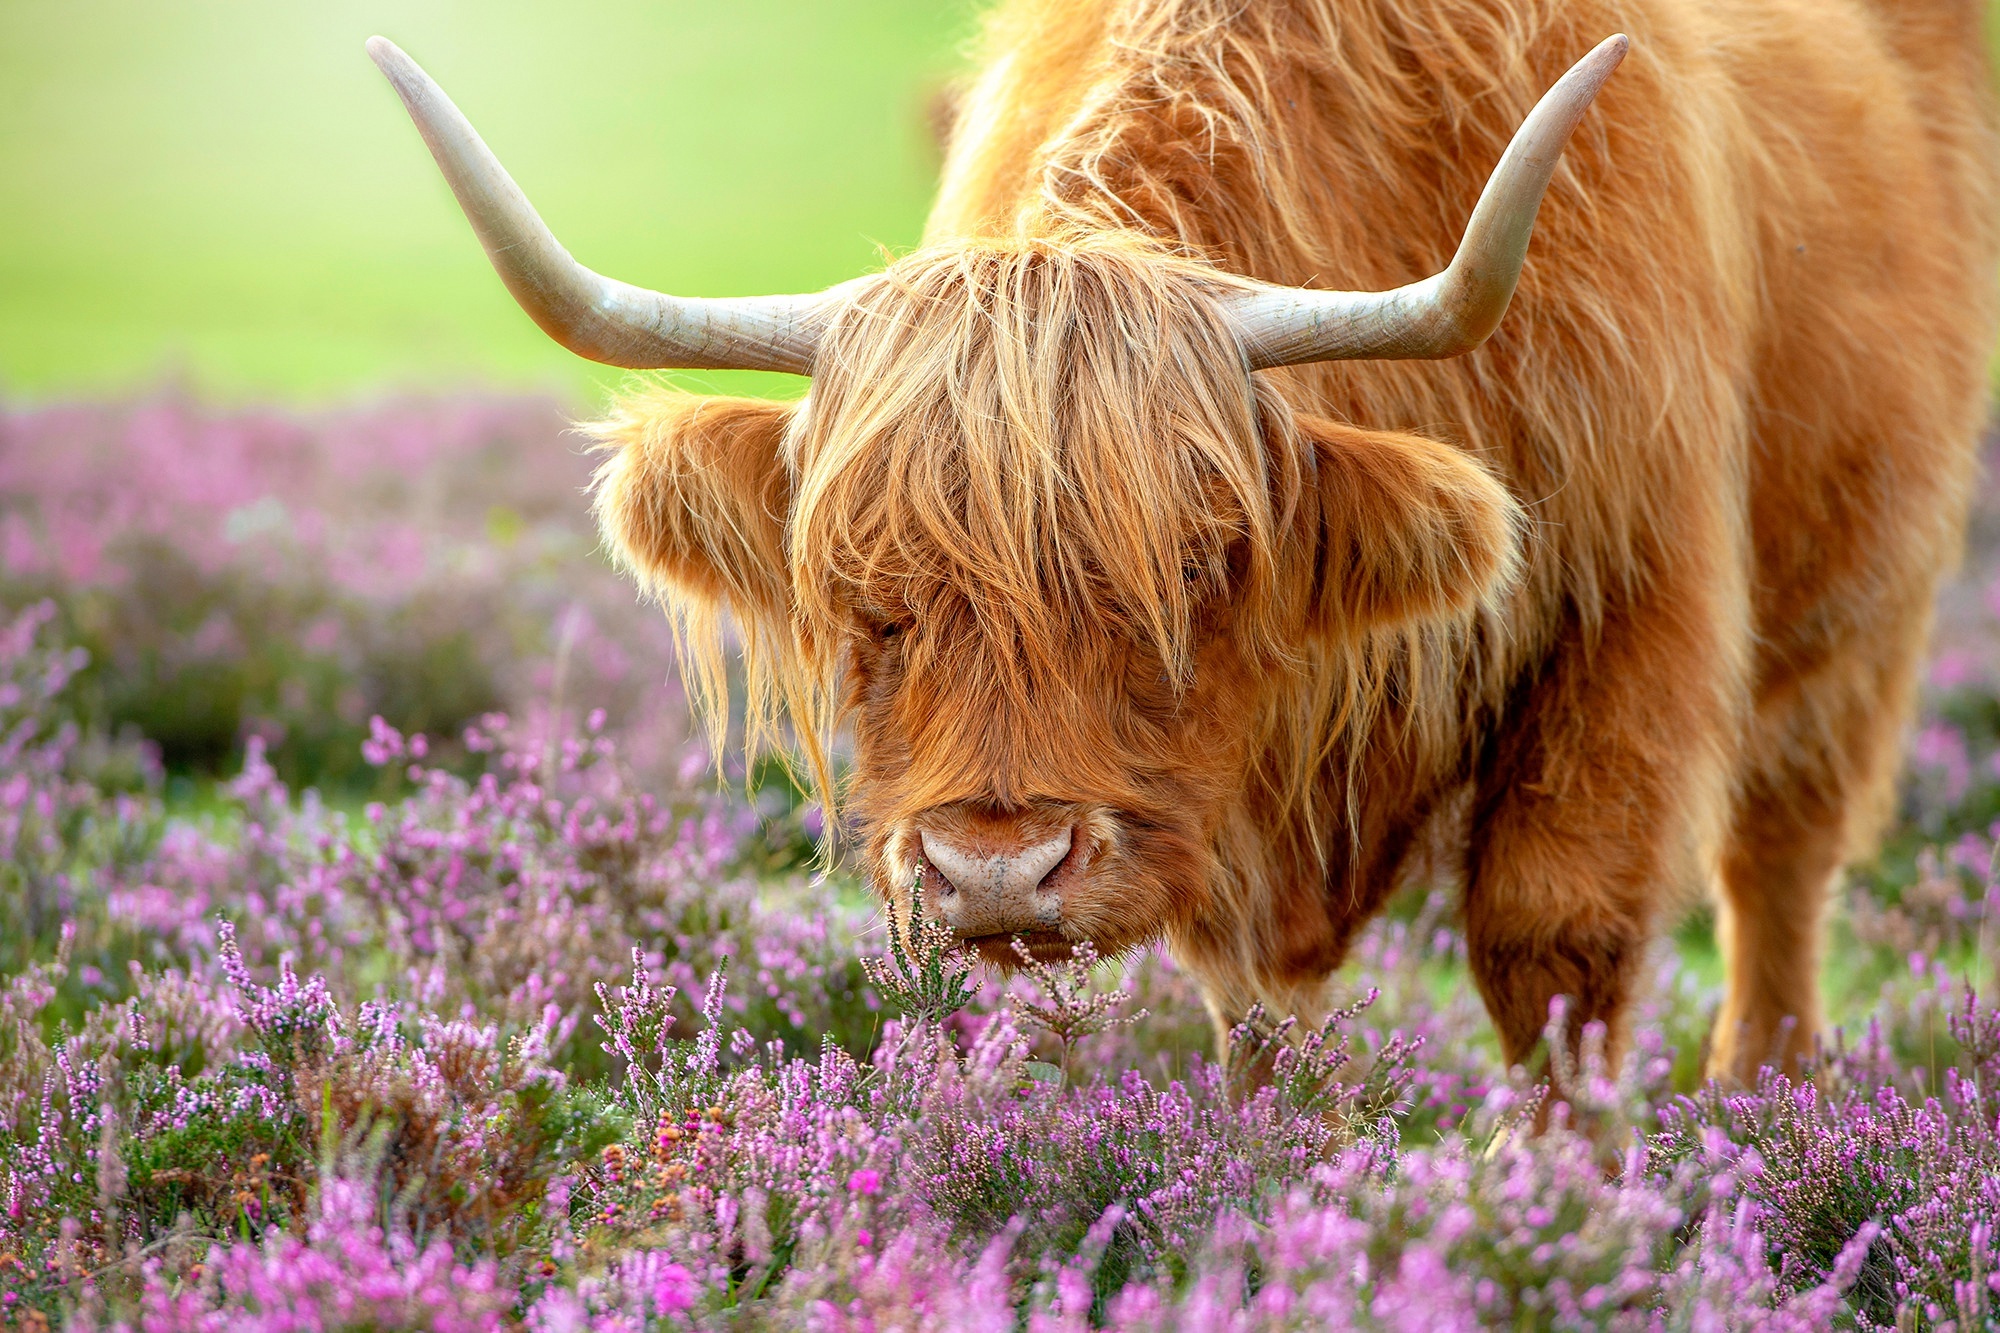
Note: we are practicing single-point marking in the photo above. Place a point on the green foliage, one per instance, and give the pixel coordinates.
(927, 973)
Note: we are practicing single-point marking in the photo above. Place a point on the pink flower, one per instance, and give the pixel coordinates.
(673, 1289)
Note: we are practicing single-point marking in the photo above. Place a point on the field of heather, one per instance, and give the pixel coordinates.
(381, 951)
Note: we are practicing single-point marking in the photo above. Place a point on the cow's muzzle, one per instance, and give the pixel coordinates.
(993, 887)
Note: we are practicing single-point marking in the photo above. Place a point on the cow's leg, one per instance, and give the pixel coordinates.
(1775, 879)
(1597, 805)
(1821, 766)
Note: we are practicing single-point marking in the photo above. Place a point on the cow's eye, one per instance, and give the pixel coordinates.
(880, 624)
(1200, 581)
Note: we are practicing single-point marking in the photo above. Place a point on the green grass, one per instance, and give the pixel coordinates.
(225, 191)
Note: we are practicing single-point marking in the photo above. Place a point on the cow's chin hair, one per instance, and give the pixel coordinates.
(997, 951)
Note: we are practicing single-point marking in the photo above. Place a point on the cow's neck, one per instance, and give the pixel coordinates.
(1269, 135)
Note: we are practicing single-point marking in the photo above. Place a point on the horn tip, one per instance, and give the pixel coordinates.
(384, 52)
(1589, 74)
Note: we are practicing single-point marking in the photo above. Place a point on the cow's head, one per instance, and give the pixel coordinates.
(1038, 534)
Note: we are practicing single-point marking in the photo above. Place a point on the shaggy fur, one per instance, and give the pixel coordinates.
(1625, 606)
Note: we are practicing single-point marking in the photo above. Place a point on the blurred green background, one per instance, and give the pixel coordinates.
(226, 194)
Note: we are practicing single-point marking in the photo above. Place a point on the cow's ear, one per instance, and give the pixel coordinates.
(1406, 528)
(693, 501)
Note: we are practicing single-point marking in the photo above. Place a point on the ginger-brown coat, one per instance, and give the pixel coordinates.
(1625, 606)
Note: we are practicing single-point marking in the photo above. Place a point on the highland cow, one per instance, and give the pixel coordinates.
(1173, 585)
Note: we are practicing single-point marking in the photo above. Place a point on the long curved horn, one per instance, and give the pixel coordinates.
(1458, 309)
(592, 315)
